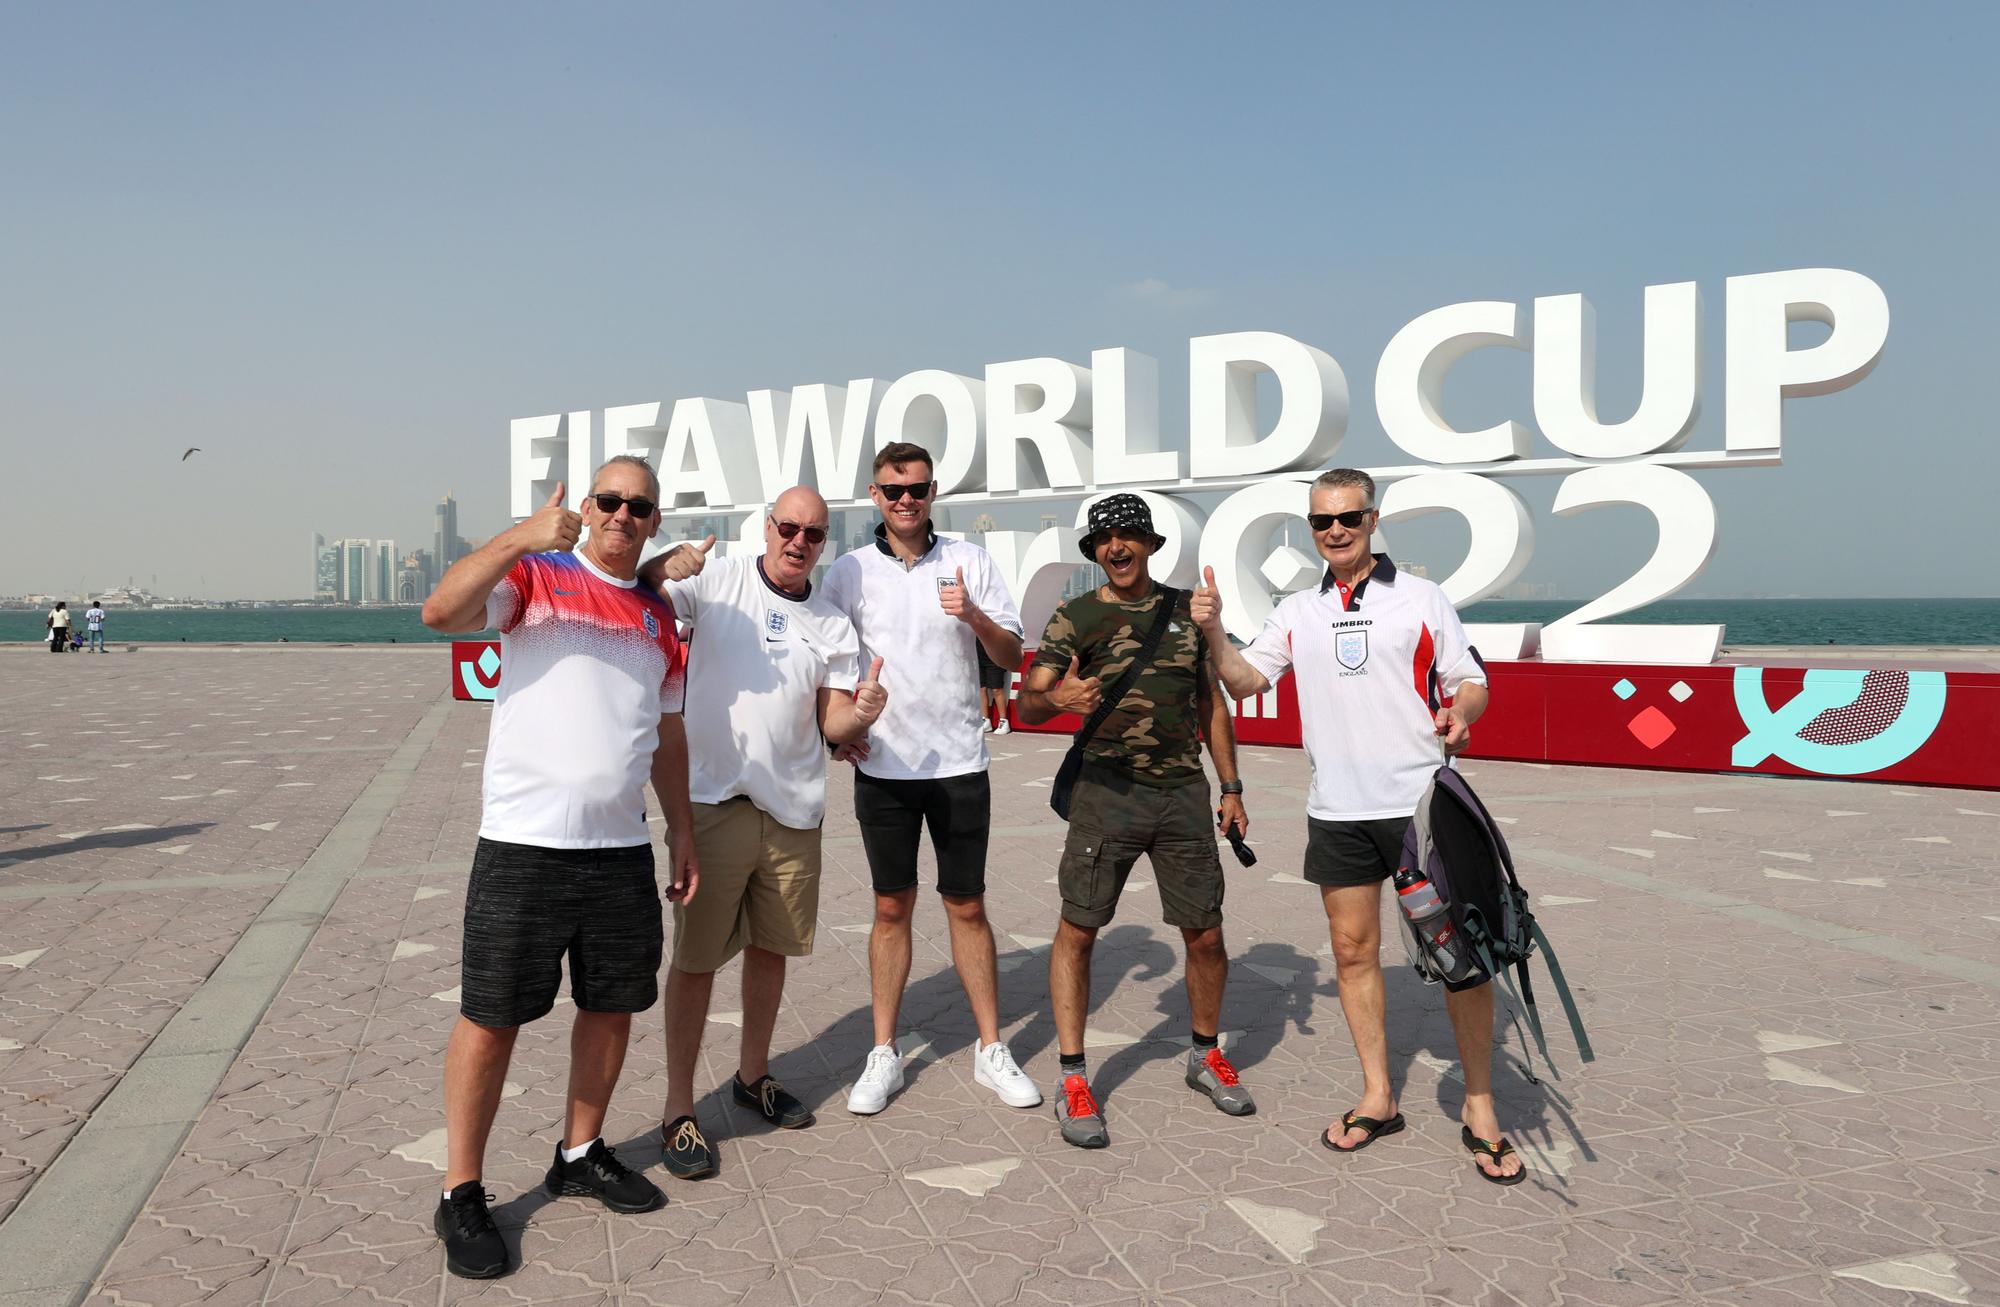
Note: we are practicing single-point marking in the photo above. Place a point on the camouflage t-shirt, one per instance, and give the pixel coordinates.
(1154, 733)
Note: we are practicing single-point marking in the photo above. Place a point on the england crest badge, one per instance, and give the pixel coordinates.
(1350, 648)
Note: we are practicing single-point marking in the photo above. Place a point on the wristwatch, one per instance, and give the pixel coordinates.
(1232, 787)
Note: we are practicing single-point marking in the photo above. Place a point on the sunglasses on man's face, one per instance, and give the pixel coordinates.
(915, 490)
(815, 535)
(1351, 520)
(609, 504)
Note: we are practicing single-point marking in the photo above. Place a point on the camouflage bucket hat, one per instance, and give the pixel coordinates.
(1128, 512)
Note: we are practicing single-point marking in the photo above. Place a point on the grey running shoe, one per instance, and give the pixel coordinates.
(1211, 1073)
(1081, 1119)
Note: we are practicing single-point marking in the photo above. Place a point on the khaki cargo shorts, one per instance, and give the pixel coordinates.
(759, 887)
(1113, 820)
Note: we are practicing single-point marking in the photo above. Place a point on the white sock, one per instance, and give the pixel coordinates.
(576, 1154)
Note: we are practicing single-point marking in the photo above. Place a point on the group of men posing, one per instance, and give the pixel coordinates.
(599, 696)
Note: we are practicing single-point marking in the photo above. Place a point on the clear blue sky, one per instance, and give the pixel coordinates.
(339, 247)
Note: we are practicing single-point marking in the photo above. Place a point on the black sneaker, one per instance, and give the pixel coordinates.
(773, 1102)
(685, 1149)
(599, 1174)
(472, 1244)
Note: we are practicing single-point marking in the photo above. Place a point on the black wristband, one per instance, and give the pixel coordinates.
(1232, 787)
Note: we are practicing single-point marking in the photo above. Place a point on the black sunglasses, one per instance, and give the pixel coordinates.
(815, 535)
(608, 503)
(1351, 520)
(915, 490)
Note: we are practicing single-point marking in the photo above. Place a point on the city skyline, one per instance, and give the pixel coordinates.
(323, 294)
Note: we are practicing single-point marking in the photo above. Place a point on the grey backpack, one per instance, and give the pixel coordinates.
(1456, 843)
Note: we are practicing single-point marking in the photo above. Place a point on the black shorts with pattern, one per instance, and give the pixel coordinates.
(527, 907)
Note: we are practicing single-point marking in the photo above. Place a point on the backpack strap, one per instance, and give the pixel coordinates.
(1583, 1049)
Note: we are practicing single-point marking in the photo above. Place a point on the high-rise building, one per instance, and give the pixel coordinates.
(354, 569)
(444, 535)
(387, 563)
(326, 571)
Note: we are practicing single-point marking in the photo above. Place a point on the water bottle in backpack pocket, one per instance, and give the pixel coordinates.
(1428, 925)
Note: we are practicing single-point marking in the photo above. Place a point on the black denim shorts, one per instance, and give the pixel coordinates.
(527, 907)
(893, 814)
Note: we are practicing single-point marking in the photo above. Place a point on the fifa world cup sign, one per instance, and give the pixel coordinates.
(1043, 429)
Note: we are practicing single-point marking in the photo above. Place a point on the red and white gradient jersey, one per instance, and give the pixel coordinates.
(1372, 669)
(588, 663)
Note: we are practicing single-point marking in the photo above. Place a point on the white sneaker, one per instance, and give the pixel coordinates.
(1003, 729)
(993, 1066)
(989, 728)
(881, 1077)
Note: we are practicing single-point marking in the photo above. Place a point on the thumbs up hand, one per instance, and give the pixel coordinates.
(954, 600)
(870, 698)
(1077, 693)
(552, 528)
(685, 560)
(1205, 605)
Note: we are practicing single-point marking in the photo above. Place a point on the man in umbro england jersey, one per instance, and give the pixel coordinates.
(923, 764)
(1384, 674)
(587, 712)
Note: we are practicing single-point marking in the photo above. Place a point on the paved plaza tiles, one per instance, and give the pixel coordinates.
(230, 886)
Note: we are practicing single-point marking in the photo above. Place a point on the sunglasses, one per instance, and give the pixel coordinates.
(1352, 520)
(608, 504)
(915, 490)
(815, 535)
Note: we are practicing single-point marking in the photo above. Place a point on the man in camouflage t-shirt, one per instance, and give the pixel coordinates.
(1142, 790)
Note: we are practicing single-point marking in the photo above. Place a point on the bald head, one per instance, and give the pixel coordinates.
(790, 547)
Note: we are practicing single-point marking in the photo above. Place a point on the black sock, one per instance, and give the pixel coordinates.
(1074, 1066)
(1201, 1043)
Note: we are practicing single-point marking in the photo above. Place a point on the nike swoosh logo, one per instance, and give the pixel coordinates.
(566, 592)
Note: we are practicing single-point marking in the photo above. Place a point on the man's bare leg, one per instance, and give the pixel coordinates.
(889, 959)
(475, 1070)
(686, 1008)
(1354, 921)
(1471, 1012)
(763, 986)
(973, 955)
(597, 1043)
(1069, 984)
(1207, 975)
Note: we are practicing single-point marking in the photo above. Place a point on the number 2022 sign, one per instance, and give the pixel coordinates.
(1045, 429)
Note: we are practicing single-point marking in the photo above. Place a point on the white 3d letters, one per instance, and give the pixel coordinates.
(1037, 409)
(1222, 405)
(1566, 375)
(1409, 383)
(1764, 370)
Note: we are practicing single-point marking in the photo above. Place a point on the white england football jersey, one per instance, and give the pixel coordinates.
(757, 659)
(1371, 669)
(934, 726)
(588, 663)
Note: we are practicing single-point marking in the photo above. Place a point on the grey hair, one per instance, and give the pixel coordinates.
(1335, 478)
(629, 460)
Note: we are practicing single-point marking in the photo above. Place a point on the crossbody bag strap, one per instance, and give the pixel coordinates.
(1168, 598)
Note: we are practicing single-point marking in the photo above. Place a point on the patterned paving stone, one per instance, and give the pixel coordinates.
(1678, 1168)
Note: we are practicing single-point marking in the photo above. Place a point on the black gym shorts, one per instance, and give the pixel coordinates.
(892, 815)
(526, 907)
(1344, 853)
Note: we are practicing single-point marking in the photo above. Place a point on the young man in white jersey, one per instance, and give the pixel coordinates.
(772, 672)
(1385, 674)
(924, 762)
(588, 710)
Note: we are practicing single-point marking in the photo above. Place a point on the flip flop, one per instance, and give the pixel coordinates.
(1355, 1121)
(1495, 1150)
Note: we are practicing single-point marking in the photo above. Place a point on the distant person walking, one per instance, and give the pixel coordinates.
(94, 620)
(993, 680)
(58, 623)
(587, 711)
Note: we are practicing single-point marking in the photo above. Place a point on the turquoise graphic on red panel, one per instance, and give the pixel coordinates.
(1651, 726)
(1842, 722)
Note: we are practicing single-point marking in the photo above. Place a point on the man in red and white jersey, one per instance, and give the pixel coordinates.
(587, 712)
(1384, 674)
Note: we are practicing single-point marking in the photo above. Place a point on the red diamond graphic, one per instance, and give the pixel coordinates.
(1651, 728)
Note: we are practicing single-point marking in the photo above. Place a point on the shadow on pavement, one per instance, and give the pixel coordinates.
(124, 839)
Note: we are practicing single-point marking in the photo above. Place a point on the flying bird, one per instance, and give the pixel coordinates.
(192, 449)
